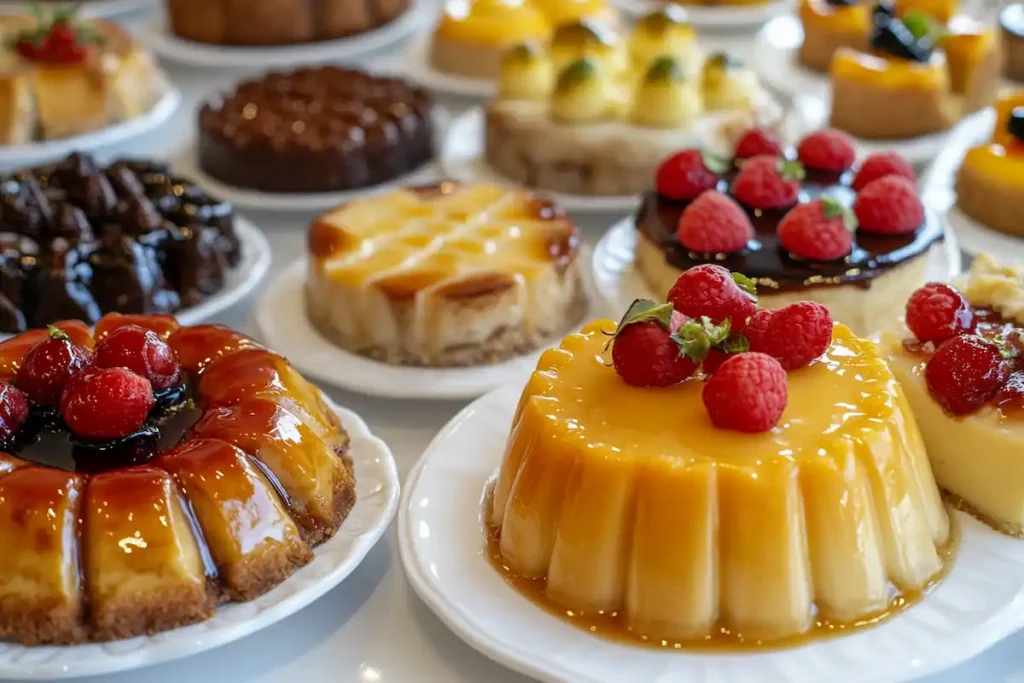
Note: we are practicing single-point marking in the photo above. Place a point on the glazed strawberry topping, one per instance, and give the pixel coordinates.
(714, 223)
(48, 365)
(880, 165)
(644, 352)
(758, 142)
(712, 291)
(937, 312)
(889, 206)
(794, 335)
(106, 403)
(687, 174)
(766, 182)
(13, 412)
(827, 150)
(141, 351)
(821, 230)
(748, 393)
(57, 40)
(966, 372)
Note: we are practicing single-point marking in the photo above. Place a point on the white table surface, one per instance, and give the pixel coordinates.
(373, 628)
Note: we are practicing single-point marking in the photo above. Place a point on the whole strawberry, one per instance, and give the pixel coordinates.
(889, 206)
(106, 403)
(821, 230)
(966, 372)
(49, 365)
(758, 142)
(643, 351)
(687, 174)
(748, 393)
(143, 352)
(13, 412)
(766, 182)
(712, 291)
(937, 312)
(880, 165)
(827, 150)
(794, 335)
(714, 223)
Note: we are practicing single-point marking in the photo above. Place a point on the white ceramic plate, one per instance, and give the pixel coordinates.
(281, 316)
(36, 153)
(96, 9)
(156, 35)
(415, 65)
(442, 544)
(377, 490)
(706, 16)
(618, 284)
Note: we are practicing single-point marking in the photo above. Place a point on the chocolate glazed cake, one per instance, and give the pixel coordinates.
(865, 290)
(316, 130)
(79, 241)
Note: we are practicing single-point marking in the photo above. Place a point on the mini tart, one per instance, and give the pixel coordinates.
(1011, 26)
(627, 500)
(977, 457)
(939, 10)
(444, 276)
(990, 181)
(828, 27)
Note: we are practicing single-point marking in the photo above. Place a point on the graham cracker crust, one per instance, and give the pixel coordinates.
(1007, 528)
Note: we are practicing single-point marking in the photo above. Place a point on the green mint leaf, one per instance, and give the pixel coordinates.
(713, 162)
(746, 284)
(644, 310)
(716, 333)
(57, 333)
(692, 340)
(919, 25)
(735, 343)
(791, 169)
(834, 208)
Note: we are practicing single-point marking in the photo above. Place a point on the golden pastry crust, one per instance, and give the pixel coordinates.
(998, 205)
(821, 42)
(465, 59)
(873, 113)
(1013, 46)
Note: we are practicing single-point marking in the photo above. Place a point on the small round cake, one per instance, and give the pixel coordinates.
(829, 25)
(319, 129)
(1011, 23)
(445, 275)
(151, 472)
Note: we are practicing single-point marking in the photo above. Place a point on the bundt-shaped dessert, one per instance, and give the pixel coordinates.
(318, 129)
(79, 241)
(151, 472)
(278, 22)
(628, 501)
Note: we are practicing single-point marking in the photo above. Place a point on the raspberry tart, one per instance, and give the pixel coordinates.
(710, 472)
(812, 223)
(150, 472)
(959, 364)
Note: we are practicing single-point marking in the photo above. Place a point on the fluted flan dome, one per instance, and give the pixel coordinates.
(628, 500)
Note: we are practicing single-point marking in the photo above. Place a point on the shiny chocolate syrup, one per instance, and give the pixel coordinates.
(773, 268)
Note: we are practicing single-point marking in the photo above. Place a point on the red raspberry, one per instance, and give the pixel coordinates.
(141, 351)
(827, 150)
(937, 312)
(106, 403)
(965, 372)
(714, 360)
(13, 412)
(645, 355)
(747, 394)
(880, 165)
(714, 223)
(710, 290)
(1012, 393)
(766, 182)
(757, 142)
(794, 335)
(685, 175)
(818, 230)
(889, 206)
(48, 365)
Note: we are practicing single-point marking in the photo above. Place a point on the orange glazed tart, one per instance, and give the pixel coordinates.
(150, 472)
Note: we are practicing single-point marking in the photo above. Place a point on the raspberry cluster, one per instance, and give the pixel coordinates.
(968, 368)
(761, 177)
(100, 394)
(712, 323)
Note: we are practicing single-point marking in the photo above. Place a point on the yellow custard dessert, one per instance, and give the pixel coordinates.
(939, 10)
(628, 501)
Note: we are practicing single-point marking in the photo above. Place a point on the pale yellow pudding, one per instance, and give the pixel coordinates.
(628, 500)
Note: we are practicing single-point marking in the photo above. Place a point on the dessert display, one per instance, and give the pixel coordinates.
(917, 78)
(960, 368)
(990, 181)
(808, 224)
(445, 275)
(1011, 25)
(829, 25)
(152, 472)
(594, 114)
(78, 240)
(317, 129)
(64, 77)
(278, 22)
(472, 34)
(708, 472)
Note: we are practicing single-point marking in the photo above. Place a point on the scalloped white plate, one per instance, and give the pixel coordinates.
(377, 491)
(415, 65)
(706, 16)
(156, 35)
(442, 544)
(618, 284)
(96, 9)
(281, 316)
(36, 153)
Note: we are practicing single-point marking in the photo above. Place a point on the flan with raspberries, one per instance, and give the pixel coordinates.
(151, 472)
(809, 223)
(747, 483)
(446, 275)
(960, 367)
